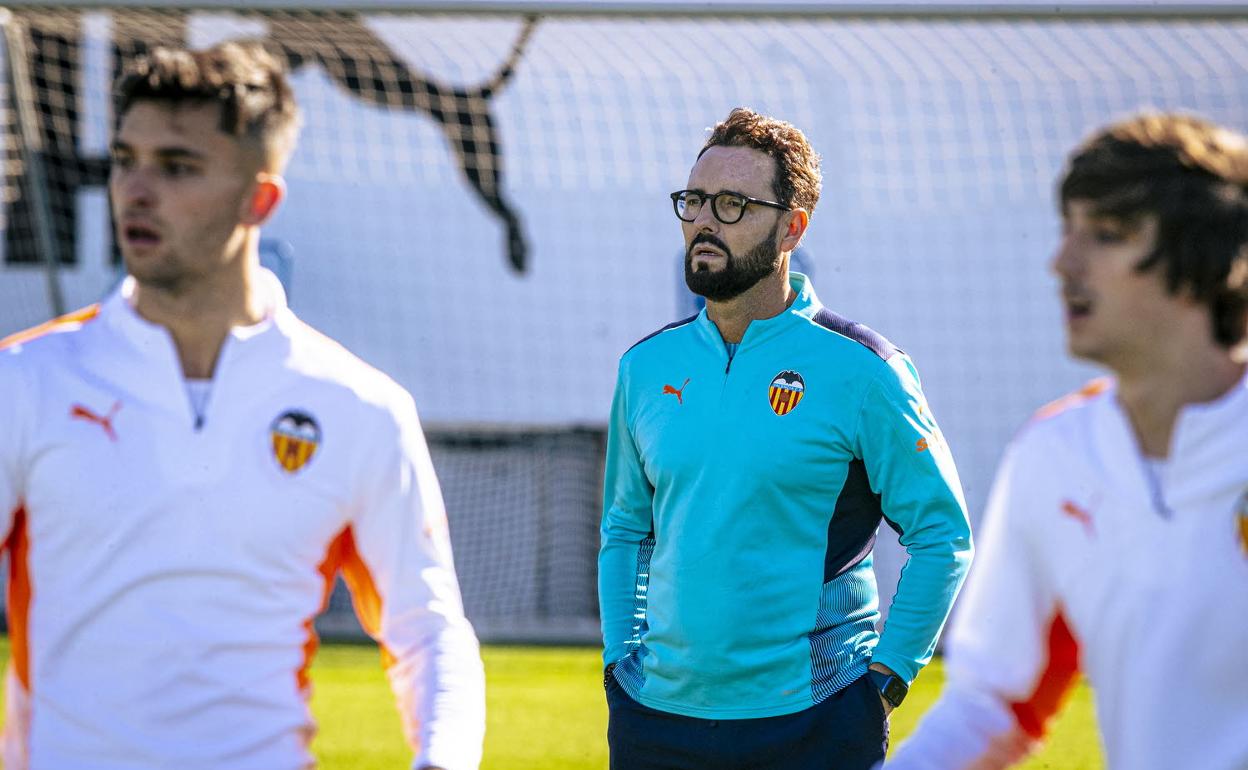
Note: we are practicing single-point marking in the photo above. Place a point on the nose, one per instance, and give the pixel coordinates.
(1068, 259)
(706, 221)
(132, 188)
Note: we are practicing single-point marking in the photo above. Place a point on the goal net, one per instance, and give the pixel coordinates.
(478, 205)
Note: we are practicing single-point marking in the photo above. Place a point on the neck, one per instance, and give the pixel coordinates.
(1153, 394)
(199, 316)
(766, 299)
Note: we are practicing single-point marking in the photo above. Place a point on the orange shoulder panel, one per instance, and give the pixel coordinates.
(76, 317)
(1070, 400)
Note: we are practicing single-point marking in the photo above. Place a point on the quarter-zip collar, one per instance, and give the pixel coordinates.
(1199, 442)
(119, 311)
(803, 308)
(146, 363)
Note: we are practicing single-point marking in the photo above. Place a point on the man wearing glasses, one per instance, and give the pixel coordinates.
(753, 451)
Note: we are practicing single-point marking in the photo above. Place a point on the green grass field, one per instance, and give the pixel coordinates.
(546, 712)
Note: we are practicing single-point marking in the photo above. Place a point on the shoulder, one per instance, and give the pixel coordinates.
(1068, 413)
(850, 336)
(661, 336)
(865, 355)
(660, 343)
(50, 334)
(859, 350)
(319, 358)
(1048, 472)
(1058, 433)
(26, 355)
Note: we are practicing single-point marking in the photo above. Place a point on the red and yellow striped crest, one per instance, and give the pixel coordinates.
(786, 391)
(296, 437)
(1242, 515)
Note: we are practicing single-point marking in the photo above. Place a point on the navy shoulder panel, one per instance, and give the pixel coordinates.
(672, 325)
(863, 335)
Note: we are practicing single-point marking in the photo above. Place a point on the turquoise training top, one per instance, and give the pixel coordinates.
(741, 499)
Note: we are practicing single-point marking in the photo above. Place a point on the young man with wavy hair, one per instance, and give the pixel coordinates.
(185, 467)
(1116, 537)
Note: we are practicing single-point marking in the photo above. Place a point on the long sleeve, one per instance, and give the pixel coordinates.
(14, 412)
(17, 423)
(404, 588)
(1010, 656)
(911, 468)
(627, 528)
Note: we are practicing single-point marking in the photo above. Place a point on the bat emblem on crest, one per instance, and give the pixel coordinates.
(786, 391)
(296, 437)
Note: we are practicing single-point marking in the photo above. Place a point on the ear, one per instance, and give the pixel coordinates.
(269, 191)
(799, 220)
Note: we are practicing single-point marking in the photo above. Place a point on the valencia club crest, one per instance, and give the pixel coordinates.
(296, 437)
(1241, 513)
(787, 389)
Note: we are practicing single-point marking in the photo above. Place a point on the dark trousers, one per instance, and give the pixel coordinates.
(848, 731)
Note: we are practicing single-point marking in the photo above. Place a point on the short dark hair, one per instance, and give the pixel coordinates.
(1193, 176)
(257, 103)
(798, 177)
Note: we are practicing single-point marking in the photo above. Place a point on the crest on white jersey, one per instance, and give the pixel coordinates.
(1241, 515)
(296, 437)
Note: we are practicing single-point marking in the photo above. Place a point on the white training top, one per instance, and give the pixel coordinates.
(1084, 564)
(164, 577)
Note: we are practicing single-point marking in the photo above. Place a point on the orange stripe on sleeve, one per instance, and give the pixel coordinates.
(18, 546)
(76, 317)
(328, 568)
(1056, 682)
(343, 556)
(364, 595)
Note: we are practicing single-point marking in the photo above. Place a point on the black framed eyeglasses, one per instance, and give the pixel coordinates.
(727, 206)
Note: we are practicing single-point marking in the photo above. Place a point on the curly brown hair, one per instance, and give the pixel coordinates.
(1193, 176)
(257, 103)
(798, 177)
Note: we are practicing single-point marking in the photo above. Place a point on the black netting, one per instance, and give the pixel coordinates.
(524, 510)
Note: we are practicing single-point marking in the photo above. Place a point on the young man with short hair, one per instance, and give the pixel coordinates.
(1116, 537)
(186, 467)
(753, 451)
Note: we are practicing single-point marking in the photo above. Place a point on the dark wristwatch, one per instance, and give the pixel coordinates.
(890, 686)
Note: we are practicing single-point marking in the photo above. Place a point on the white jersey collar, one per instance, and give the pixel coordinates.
(1213, 413)
(119, 310)
(1199, 445)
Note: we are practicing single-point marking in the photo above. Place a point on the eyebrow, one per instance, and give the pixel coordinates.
(725, 190)
(163, 153)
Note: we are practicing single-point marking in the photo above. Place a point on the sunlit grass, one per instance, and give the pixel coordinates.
(546, 712)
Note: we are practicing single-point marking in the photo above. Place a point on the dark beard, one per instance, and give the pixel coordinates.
(738, 275)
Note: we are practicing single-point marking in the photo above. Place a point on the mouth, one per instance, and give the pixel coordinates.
(1078, 305)
(140, 235)
(703, 255)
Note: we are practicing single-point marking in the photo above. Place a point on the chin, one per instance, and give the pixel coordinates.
(1086, 351)
(143, 270)
(155, 274)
